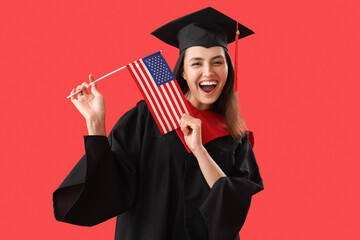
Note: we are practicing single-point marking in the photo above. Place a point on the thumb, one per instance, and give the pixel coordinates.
(94, 89)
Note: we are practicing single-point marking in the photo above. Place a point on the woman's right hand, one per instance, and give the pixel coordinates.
(91, 106)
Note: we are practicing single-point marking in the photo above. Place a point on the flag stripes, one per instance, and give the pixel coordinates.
(166, 102)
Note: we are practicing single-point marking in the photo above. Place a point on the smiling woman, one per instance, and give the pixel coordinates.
(158, 189)
(205, 72)
(227, 102)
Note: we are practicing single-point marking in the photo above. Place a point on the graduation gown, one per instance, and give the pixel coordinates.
(155, 187)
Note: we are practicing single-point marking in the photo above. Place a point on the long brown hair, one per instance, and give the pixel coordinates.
(226, 104)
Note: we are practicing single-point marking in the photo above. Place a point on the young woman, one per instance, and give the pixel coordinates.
(155, 187)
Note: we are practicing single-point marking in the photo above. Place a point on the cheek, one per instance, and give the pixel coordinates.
(192, 84)
(191, 78)
(224, 75)
(226, 71)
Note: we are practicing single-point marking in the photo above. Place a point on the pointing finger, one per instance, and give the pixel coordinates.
(94, 89)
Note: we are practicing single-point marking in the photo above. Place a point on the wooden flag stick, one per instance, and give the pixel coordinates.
(98, 80)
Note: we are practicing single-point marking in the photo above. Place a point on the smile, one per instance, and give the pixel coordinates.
(208, 86)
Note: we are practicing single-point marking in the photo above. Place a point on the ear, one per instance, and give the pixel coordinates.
(183, 75)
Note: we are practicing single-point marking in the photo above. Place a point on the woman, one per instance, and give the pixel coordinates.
(155, 187)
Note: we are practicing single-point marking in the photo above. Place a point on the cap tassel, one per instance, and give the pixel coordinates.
(236, 56)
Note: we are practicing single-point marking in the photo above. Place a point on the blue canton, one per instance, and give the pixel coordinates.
(158, 68)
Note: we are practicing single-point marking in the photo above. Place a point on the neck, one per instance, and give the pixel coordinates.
(198, 105)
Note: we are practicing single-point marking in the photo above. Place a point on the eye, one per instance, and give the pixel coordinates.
(218, 63)
(194, 64)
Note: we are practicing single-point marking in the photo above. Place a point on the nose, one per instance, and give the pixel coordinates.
(208, 71)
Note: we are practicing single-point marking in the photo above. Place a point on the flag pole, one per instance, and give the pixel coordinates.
(100, 79)
(97, 80)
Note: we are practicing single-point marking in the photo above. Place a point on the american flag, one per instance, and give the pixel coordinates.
(160, 90)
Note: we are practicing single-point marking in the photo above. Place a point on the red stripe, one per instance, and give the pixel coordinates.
(145, 97)
(153, 97)
(168, 104)
(183, 98)
(177, 97)
(179, 89)
(160, 105)
(164, 115)
(173, 102)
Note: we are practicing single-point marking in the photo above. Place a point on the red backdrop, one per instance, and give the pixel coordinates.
(299, 83)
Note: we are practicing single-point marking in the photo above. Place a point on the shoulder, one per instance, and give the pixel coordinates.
(139, 111)
(141, 105)
(247, 139)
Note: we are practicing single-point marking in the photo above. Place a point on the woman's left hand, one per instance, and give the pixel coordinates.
(191, 127)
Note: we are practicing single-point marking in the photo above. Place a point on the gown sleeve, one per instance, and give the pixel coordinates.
(228, 202)
(103, 183)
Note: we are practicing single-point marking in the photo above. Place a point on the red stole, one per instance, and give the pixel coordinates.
(212, 125)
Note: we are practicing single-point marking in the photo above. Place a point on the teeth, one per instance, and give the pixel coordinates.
(208, 83)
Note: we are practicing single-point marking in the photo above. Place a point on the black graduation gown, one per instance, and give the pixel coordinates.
(155, 187)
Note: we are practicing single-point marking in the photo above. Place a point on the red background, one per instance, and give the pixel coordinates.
(299, 83)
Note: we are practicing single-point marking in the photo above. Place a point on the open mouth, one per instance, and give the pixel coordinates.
(208, 86)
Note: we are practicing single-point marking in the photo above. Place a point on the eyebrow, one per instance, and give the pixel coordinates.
(199, 58)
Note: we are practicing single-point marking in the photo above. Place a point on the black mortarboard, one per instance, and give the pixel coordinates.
(207, 27)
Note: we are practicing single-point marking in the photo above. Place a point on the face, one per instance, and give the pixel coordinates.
(205, 71)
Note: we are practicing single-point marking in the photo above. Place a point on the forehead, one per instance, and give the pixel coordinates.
(204, 53)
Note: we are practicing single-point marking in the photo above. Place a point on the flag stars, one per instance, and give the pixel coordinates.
(159, 69)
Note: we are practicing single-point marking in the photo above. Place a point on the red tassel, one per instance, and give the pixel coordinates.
(236, 56)
(251, 138)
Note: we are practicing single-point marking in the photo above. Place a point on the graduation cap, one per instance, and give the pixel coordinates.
(207, 28)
